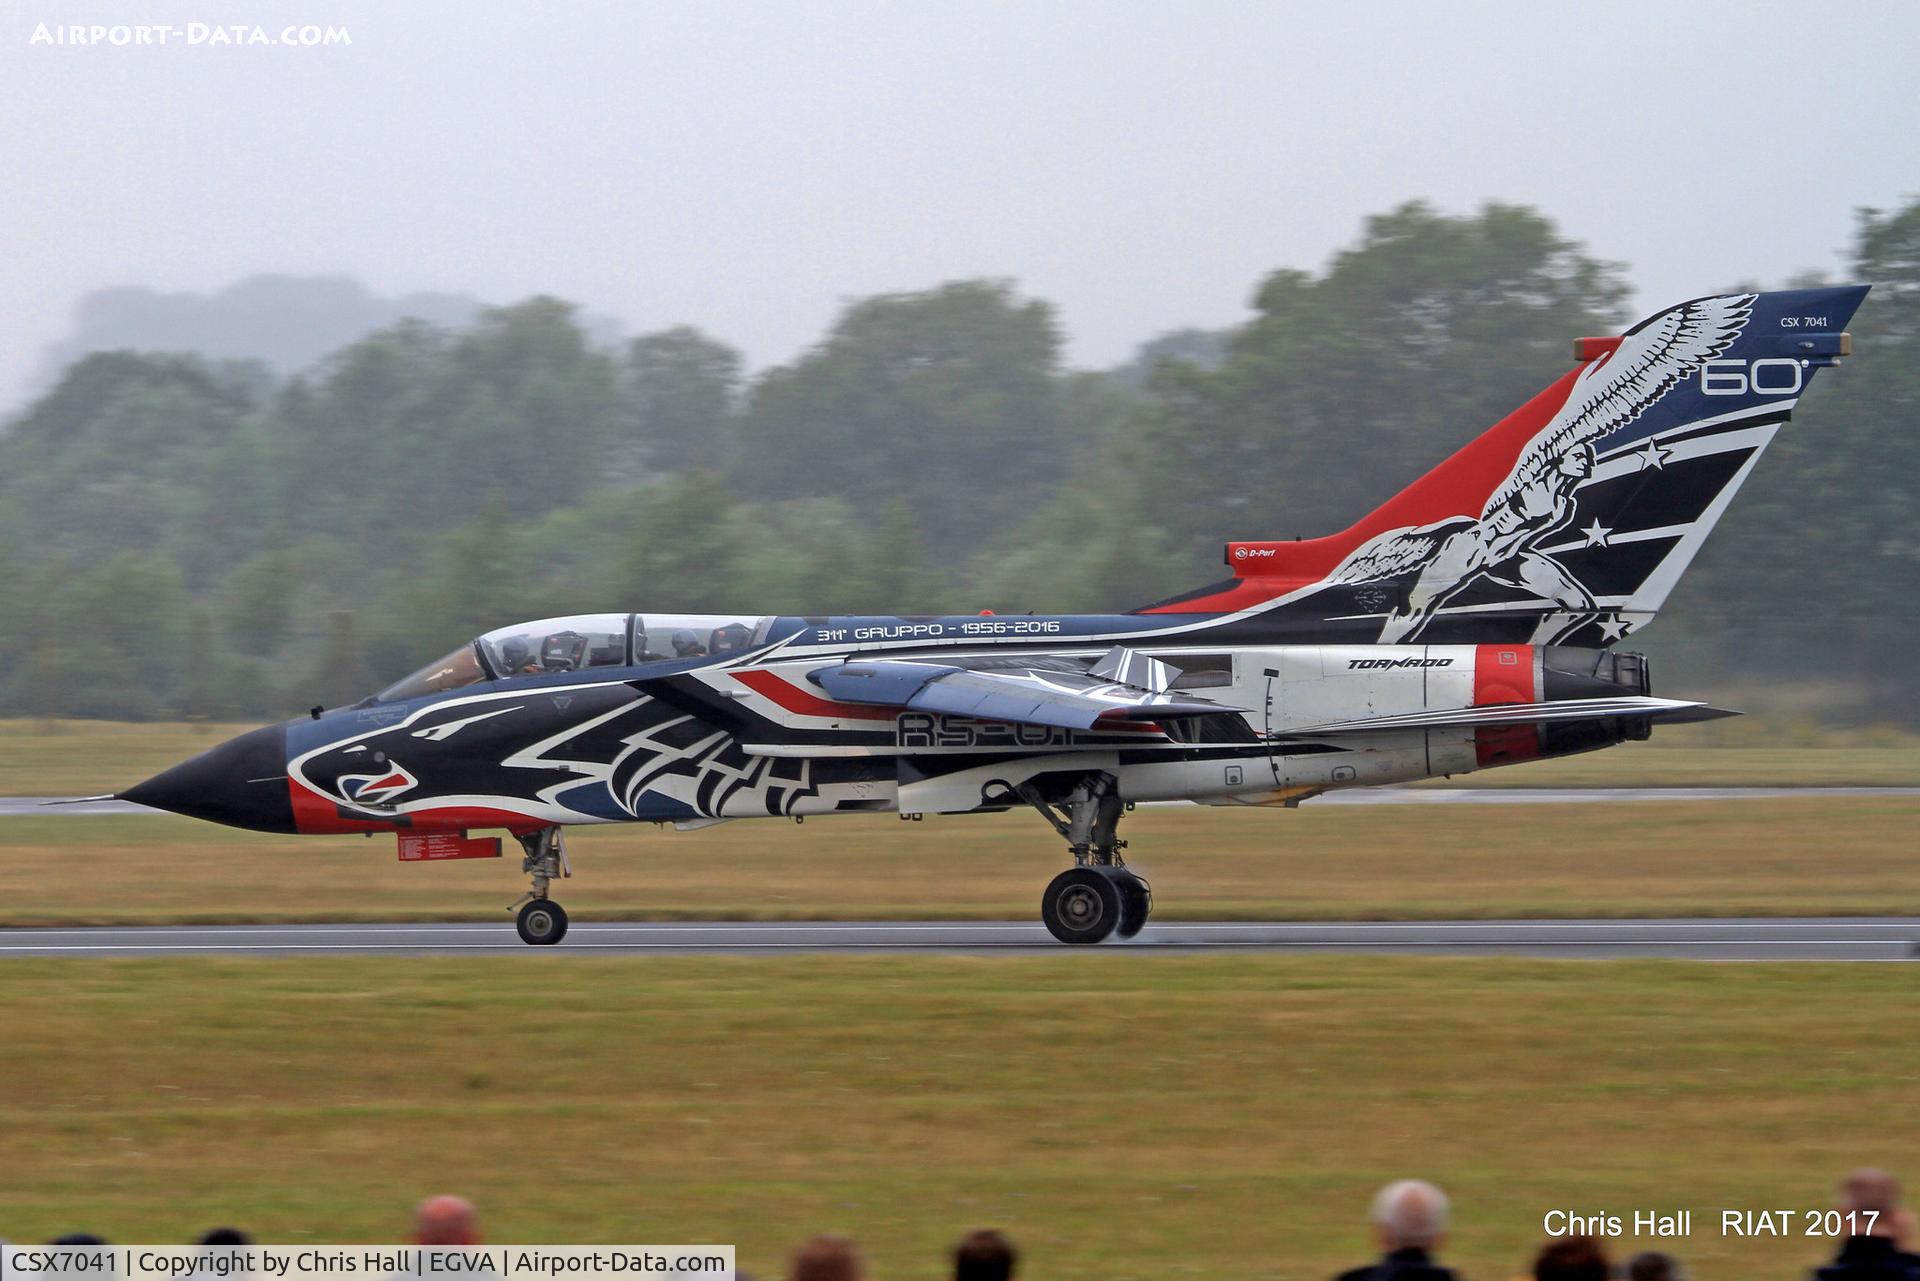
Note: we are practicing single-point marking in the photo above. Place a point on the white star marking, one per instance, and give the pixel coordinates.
(1652, 458)
(1596, 533)
(1613, 628)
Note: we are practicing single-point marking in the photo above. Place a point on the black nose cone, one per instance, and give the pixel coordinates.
(242, 783)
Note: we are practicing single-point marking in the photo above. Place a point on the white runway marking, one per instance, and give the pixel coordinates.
(1867, 938)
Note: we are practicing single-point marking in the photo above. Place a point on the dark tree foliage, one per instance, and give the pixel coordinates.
(113, 458)
(1348, 385)
(686, 390)
(1813, 579)
(183, 536)
(943, 401)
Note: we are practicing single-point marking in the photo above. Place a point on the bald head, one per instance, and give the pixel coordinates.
(828, 1258)
(1410, 1214)
(1875, 1192)
(1870, 1189)
(446, 1220)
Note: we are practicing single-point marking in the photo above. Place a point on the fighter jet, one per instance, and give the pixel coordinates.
(1468, 622)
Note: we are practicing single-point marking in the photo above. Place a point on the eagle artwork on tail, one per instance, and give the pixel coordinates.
(1536, 500)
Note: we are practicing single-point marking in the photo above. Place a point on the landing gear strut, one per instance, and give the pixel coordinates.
(1099, 895)
(541, 920)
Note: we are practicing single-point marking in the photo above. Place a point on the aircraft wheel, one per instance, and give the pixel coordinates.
(1136, 902)
(1081, 905)
(542, 921)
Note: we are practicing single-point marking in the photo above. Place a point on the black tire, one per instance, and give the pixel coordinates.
(1136, 902)
(542, 922)
(1081, 905)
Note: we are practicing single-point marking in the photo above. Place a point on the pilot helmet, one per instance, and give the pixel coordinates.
(685, 642)
(514, 652)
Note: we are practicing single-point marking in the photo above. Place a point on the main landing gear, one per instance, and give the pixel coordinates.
(541, 920)
(1099, 896)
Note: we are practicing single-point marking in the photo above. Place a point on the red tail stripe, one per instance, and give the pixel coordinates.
(1460, 486)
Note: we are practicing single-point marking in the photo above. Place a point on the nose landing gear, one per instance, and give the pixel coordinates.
(1099, 896)
(543, 921)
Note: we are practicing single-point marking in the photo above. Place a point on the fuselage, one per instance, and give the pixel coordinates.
(586, 720)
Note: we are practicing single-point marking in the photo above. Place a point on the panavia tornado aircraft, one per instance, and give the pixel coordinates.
(1468, 622)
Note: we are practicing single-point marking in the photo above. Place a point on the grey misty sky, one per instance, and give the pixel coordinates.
(750, 167)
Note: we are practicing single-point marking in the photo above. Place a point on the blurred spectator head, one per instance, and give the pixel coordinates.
(985, 1255)
(828, 1258)
(1571, 1259)
(78, 1238)
(1652, 1265)
(225, 1236)
(1868, 1191)
(446, 1220)
(1410, 1214)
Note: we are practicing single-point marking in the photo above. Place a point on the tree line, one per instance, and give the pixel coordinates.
(184, 535)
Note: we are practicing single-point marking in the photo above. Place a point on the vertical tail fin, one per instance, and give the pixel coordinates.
(1572, 518)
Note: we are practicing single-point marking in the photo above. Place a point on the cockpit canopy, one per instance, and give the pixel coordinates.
(580, 642)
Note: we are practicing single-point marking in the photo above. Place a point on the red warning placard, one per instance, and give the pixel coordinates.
(428, 847)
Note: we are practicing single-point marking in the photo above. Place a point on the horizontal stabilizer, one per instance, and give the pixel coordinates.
(1696, 713)
(1025, 696)
(1668, 711)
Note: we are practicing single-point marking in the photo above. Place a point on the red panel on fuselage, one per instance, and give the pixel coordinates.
(795, 699)
(1504, 674)
(314, 813)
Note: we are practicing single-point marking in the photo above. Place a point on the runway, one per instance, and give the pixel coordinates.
(1795, 939)
(52, 806)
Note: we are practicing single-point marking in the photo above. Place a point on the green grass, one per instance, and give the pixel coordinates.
(1817, 855)
(1122, 1116)
(84, 758)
